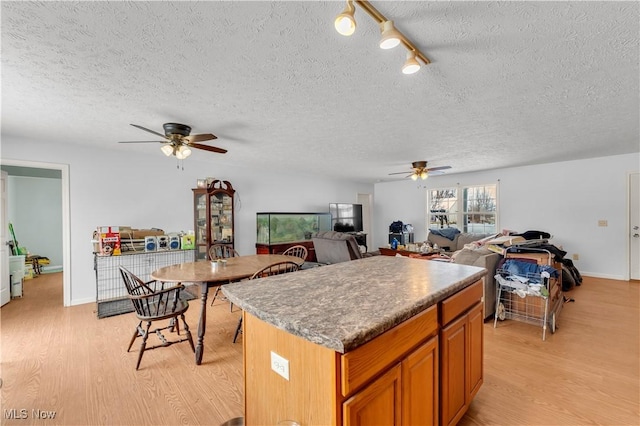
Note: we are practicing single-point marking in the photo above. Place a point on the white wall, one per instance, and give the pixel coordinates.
(143, 189)
(565, 199)
(35, 210)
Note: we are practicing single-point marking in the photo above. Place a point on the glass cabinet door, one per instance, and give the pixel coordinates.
(221, 218)
(200, 200)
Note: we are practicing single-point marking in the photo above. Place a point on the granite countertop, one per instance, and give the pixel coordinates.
(344, 305)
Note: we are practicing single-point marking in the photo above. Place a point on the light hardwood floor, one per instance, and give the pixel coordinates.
(68, 361)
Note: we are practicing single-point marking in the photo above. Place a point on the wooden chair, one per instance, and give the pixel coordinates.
(297, 251)
(273, 269)
(220, 251)
(153, 302)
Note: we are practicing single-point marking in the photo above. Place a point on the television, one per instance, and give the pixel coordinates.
(346, 217)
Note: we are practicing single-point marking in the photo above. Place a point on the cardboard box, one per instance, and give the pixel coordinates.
(109, 241)
(138, 234)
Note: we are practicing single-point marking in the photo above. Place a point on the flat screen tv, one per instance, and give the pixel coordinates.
(346, 217)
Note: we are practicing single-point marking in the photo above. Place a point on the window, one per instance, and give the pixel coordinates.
(470, 209)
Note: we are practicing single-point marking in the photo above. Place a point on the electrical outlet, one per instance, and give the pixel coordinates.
(575, 256)
(602, 222)
(280, 365)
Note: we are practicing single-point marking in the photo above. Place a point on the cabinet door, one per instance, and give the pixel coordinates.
(200, 225)
(420, 385)
(454, 370)
(475, 347)
(378, 403)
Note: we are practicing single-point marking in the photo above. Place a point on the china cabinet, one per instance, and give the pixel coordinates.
(213, 215)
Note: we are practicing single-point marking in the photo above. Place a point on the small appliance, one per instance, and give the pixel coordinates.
(150, 243)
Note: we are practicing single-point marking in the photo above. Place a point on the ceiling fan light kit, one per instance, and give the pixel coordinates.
(421, 171)
(345, 24)
(167, 150)
(178, 140)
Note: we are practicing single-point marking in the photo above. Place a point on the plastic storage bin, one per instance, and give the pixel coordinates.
(16, 270)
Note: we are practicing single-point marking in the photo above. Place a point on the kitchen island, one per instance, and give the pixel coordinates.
(384, 340)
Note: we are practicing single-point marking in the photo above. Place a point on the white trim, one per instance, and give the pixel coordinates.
(66, 221)
(605, 276)
(629, 230)
(84, 301)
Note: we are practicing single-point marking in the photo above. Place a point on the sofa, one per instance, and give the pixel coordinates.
(473, 255)
(335, 247)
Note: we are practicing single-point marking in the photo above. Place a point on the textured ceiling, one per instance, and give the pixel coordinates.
(511, 83)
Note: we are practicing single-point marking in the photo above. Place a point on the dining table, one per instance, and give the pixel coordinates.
(211, 273)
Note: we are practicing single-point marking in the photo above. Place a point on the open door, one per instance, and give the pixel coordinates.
(5, 282)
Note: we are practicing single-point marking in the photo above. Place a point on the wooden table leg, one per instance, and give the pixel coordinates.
(204, 289)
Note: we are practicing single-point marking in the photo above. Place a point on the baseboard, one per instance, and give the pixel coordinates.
(605, 276)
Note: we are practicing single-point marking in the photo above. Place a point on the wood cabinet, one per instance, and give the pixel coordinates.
(213, 216)
(378, 403)
(406, 394)
(461, 350)
(391, 380)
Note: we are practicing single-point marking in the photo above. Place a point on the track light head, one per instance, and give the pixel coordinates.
(345, 23)
(411, 65)
(390, 36)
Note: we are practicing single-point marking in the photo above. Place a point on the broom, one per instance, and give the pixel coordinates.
(14, 249)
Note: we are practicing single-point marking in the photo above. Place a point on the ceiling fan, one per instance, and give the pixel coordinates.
(421, 171)
(178, 140)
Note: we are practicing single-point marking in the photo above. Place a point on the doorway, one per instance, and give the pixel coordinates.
(365, 200)
(634, 226)
(66, 223)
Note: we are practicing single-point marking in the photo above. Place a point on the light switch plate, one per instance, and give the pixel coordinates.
(280, 365)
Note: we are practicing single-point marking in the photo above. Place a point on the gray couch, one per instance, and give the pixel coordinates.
(481, 257)
(335, 247)
(457, 243)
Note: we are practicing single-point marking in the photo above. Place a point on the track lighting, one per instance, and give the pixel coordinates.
(345, 24)
(390, 36)
(411, 65)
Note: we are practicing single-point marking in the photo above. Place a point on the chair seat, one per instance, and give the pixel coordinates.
(181, 308)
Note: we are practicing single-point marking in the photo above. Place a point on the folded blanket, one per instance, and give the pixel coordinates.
(449, 233)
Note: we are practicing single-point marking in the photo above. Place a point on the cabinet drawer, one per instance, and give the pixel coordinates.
(362, 364)
(458, 303)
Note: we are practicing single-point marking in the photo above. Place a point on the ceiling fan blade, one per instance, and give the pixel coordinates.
(432, 169)
(399, 173)
(142, 142)
(200, 138)
(148, 130)
(208, 148)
